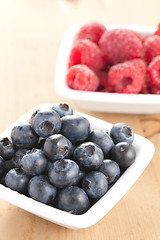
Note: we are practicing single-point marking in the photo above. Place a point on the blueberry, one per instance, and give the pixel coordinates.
(73, 200)
(124, 154)
(57, 147)
(7, 149)
(63, 172)
(63, 109)
(102, 138)
(89, 156)
(110, 169)
(17, 157)
(24, 137)
(41, 190)
(32, 117)
(121, 132)
(34, 162)
(95, 184)
(46, 123)
(1, 165)
(76, 128)
(79, 178)
(17, 180)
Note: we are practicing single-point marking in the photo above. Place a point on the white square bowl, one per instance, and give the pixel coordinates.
(144, 150)
(101, 101)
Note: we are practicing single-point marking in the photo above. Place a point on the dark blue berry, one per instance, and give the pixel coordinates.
(1, 165)
(124, 154)
(7, 149)
(57, 147)
(41, 190)
(24, 137)
(73, 200)
(63, 173)
(76, 128)
(89, 156)
(110, 169)
(34, 162)
(46, 123)
(79, 178)
(63, 109)
(17, 180)
(95, 184)
(102, 138)
(121, 132)
(18, 156)
(32, 117)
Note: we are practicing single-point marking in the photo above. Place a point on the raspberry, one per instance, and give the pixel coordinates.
(155, 90)
(91, 31)
(103, 82)
(86, 52)
(157, 32)
(80, 77)
(127, 77)
(119, 45)
(151, 48)
(154, 71)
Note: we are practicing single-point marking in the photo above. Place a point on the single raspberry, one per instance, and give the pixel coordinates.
(155, 90)
(128, 77)
(91, 31)
(151, 48)
(80, 77)
(86, 52)
(119, 45)
(154, 71)
(157, 32)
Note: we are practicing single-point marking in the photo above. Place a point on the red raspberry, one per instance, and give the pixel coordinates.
(146, 88)
(86, 52)
(120, 45)
(154, 71)
(91, 31)
(157, 32)
(151, 48)
(80, 77)
(103, 82)
(127, 77)
(155, 90)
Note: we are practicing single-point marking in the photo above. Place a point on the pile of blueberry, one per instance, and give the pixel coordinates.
(57, 159)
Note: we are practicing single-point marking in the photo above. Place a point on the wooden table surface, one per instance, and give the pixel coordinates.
(30, 35)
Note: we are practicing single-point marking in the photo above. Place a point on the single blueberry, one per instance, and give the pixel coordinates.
(33, 115)
(73, 200)
(89, 156)
(110, 169)
(34, 162)
(76, 128)
(63, 109)
(63, 172)
(58, 147)
(24, 137)
(95, 184)
(40, 189)
(46, 123)
(17, 180)
(17, 157)
(7, 149)
(121, 132)
(124, 154)
(102, 138)
(1, 165)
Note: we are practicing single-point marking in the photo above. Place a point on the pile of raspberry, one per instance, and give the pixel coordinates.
(118, 60)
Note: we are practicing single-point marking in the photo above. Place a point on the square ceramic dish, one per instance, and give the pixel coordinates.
(144, 150)
(101, 101)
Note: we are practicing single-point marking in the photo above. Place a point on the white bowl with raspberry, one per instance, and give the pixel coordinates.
(105, 78)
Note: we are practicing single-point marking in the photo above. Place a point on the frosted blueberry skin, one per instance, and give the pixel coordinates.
(57, 147)
(89, 156)
(95, 184)
(124, 154)
(2, 166)
(40, 189)
(110, 169)
(102, 138)
(34, 162)
(24, 137)
(63, 109)
(74, 200)
(33, 115)
(17, 157)
(17, 180)
(63, 173)
(46, 123)
(7, 149)
(121, 132)
(76, 128)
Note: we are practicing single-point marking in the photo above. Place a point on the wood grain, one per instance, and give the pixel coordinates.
(30, 35)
